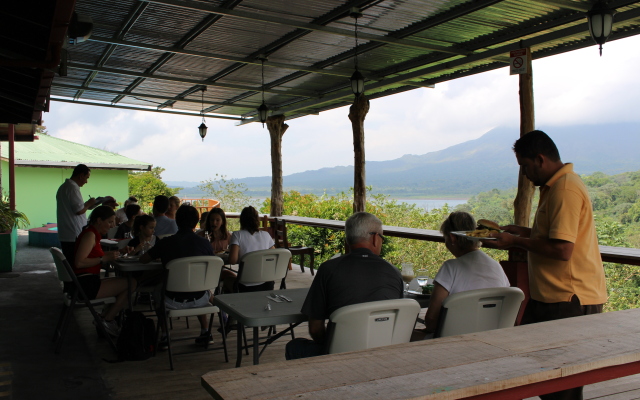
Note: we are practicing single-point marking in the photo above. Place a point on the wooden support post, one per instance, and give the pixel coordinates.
(524, 197)
(357, 113)
(12, 167)
(277, 128)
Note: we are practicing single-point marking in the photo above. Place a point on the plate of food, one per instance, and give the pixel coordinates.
(484, 229)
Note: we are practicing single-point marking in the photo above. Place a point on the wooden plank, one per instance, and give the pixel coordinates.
(446, 368)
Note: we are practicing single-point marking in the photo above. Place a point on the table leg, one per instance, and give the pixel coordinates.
(256, 349)
(239, 345)
(129, 291)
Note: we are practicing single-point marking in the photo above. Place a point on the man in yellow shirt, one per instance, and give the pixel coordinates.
(566, 275)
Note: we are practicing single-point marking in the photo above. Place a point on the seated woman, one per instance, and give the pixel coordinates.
(215, 226)
(131, 211)
(471, 269)
(143, 235)
(90, 258)
(249, 238)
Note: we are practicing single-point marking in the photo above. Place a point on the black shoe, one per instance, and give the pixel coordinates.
(204, 339)
(228, 328)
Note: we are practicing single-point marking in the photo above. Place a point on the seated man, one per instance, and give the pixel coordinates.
(360, 276)
(185, 243)
(164, 225)
(121, 216)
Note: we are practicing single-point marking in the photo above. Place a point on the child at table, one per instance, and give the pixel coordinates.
(216, 227)
(143, 235)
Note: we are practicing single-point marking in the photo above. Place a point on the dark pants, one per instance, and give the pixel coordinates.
(303, 348)
(537, 311)
(69, 252)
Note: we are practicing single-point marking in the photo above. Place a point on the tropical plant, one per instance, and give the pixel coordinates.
(11, 218)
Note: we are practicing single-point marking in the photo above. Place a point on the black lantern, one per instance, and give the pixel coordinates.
(357, 82)
(202, 129)
(357, 79)
(263, 110)
(600, 19)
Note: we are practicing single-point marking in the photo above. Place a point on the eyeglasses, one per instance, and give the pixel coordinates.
(384, 239)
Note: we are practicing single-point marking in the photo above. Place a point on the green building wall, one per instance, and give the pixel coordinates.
(36, 189)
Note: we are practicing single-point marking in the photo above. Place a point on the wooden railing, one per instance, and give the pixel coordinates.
(619, 255)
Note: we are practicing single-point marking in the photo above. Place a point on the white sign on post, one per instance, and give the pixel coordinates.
(518, 62)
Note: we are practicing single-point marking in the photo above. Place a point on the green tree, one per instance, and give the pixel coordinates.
(145, 186)
(232, 196)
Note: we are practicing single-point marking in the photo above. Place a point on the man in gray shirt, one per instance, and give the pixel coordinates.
(164, 224)
(71, 210)
(360, 276)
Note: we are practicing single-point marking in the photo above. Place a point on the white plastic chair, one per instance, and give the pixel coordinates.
(193, 274)
(264, 266)
(374, 324)
(479, 310)
(77, 300)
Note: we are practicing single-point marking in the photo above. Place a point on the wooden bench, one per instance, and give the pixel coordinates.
(510, 363)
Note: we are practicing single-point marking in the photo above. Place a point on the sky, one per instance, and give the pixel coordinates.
(578, 87)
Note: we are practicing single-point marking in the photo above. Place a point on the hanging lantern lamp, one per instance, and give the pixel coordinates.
(202, 129)
(263, 110)
(600, 19)
(357, 79)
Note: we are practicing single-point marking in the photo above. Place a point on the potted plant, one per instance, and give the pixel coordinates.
(10, 220)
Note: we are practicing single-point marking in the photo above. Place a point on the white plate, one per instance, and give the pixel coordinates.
(464, 233)
(128, 259)
(419, 294)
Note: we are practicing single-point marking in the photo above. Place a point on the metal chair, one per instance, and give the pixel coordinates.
(280, 237)
(192, 274)
(479, 310)
(77, 300)
(373, 324)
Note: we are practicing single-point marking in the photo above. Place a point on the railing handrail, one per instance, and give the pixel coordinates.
(618, 255)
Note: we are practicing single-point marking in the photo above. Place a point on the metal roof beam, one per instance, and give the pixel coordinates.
(572, 5)
(290, 92)
(132, 17)
(253, 61)
(343, 93)
(309, 26)
(199, 115)
(151, 96)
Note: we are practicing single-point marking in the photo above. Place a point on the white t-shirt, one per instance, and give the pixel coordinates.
(121, 216)
(260, 240)
(474, 270)
(68, 203)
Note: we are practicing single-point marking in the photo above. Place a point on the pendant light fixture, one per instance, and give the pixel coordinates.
(202, 129)
(600, 19)
(263, 110)
(357, 80)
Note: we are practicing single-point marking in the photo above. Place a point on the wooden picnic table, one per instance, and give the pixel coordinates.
(510, 363)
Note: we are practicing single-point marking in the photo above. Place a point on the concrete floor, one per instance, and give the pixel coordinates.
(30, 303)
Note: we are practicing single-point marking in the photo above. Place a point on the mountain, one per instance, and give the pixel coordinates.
(473, 166)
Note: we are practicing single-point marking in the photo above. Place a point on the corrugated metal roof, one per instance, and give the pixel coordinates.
(54, 152)
(159, 53)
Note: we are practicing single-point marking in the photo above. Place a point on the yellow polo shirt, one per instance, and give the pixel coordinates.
(565, 213)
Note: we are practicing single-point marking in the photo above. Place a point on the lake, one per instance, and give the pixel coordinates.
(430, 204)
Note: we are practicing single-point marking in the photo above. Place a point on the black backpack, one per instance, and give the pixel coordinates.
(137, 337)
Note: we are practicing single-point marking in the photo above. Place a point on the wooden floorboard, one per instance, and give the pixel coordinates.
(152, 379)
